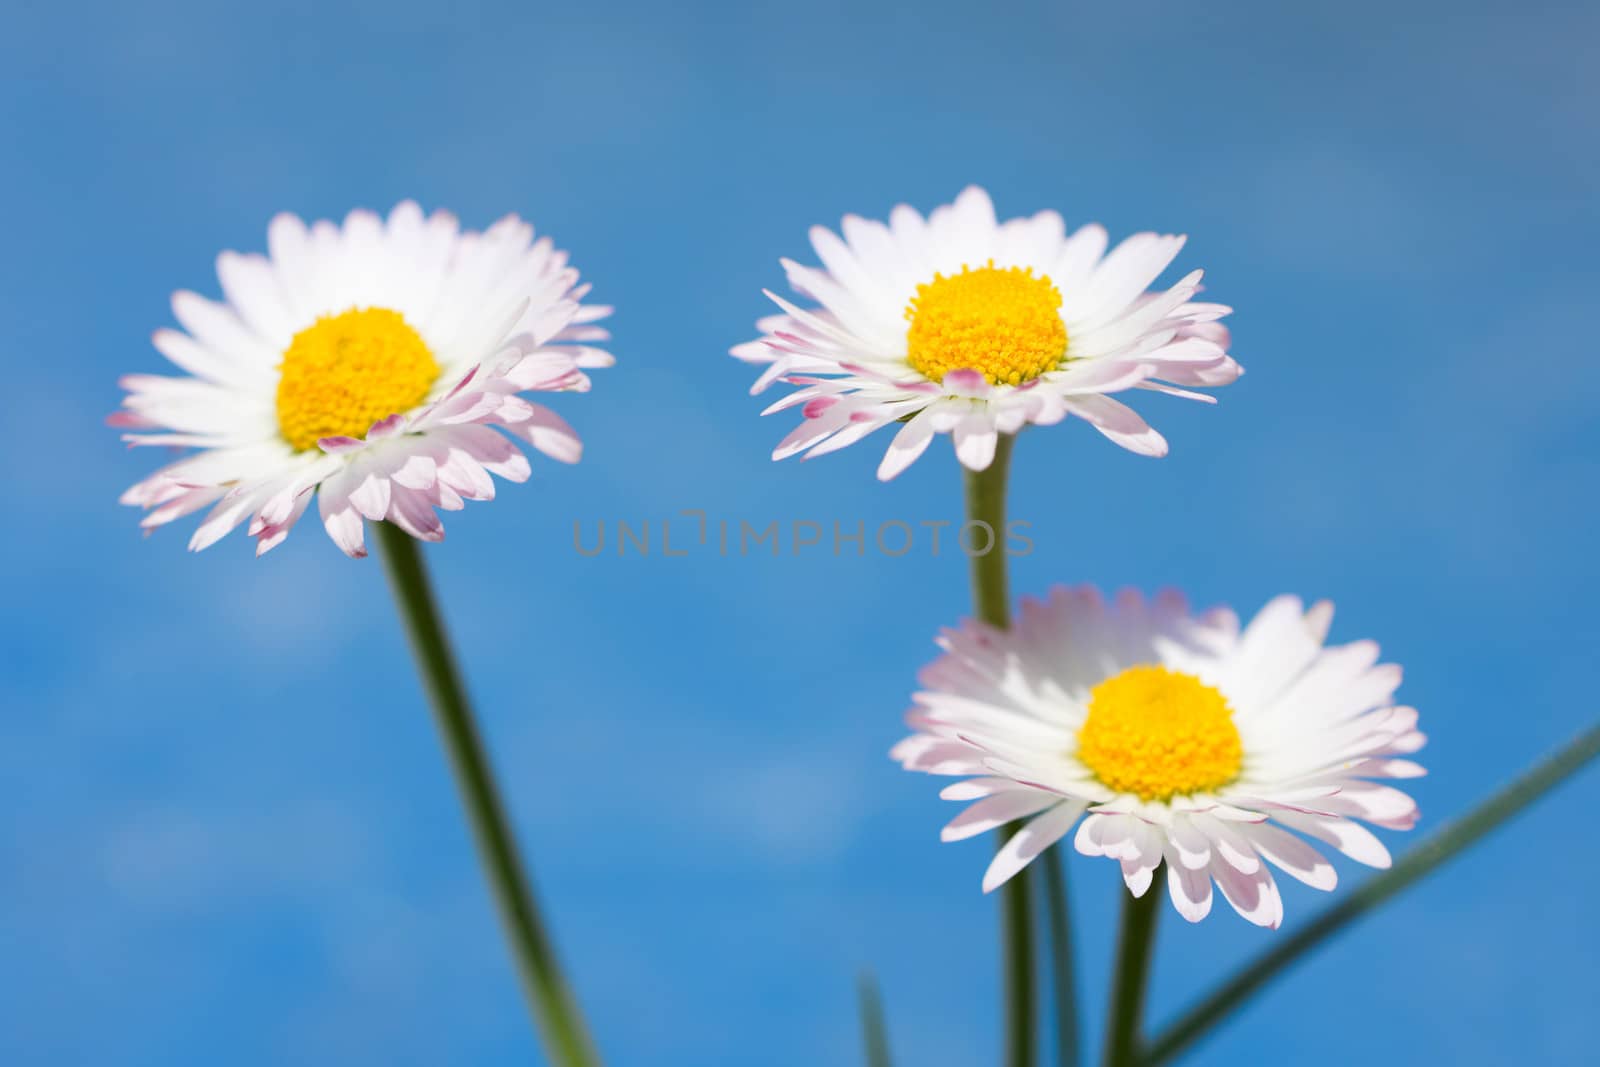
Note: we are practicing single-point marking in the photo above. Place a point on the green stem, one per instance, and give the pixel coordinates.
(986, 503)
(1133, 971)
(991, 597)
(1058, 923)
(874, 1031)
(1412, 867)
(555, 1012)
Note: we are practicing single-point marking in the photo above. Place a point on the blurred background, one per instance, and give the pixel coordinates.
(229, 834)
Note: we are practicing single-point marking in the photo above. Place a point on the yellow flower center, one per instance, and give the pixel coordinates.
(344, 372)
(1003, 323)
(1158, 734)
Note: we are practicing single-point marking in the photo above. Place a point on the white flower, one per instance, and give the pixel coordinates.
(1174, 738)
(371, 365)
(964, 325)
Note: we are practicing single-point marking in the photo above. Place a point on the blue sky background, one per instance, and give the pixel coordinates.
(228, 833)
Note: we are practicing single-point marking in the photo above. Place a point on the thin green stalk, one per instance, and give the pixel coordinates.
(986, 503)
(1132, 974)
(1018, 988)
(1411, 868)
(1063, 981)
(555, 1012)
(991, 597)
(874, 1032)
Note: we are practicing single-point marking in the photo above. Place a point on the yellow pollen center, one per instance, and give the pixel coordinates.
(1003, 323)
(344, 372)
(1158, 733)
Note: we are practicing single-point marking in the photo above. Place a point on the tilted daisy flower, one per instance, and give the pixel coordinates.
(372, 365)
(963, 325)
(1169, 737)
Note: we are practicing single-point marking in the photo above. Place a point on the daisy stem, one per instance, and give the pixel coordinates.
(1132, 972)
(986, 503)
(1058, 921)
(555, 1012)
(874, 1031)
(1412, 867)
(991, 597)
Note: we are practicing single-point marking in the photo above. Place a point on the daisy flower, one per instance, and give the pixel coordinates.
(375, 366)
(1169, 737)
(963, 325)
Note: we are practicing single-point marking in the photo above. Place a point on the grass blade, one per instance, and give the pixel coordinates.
(1415, 865)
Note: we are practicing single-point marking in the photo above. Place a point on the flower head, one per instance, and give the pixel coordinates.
(1167, 736)
(963, 325)
(373, 366)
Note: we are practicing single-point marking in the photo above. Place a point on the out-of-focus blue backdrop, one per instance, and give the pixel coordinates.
(228, 834)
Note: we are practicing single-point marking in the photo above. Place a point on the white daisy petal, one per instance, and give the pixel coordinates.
(372, 364)
(1137, 877)
(1291, 855)
(1191, 847)
(912, 440)
(340, 517)
(1118, 423)
(1028, 843)
(993, 812)
(975, 788)
(1233, 846)
(270, 537)
(218, 328)
(975, 438)
(370, 497)
(204, 362)
(1190, 888)
(1254, 896)
(1121, 277)
(1078, 256)
(251, 286)
(1351, 838)
(413, 511)
(230, 511)
(547, 432)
